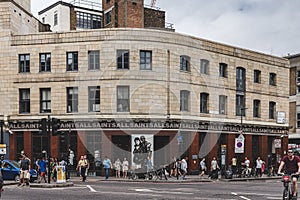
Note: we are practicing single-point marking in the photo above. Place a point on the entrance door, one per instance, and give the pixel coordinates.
(121, 147)
(161, 150)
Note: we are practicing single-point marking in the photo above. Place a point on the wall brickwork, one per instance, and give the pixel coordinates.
(154, 18)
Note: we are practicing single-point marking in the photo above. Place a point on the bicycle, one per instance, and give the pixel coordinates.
(288, 186)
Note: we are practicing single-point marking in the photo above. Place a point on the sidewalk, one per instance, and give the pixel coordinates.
(189, 178)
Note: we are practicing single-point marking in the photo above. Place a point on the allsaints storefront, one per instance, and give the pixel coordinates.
(159, 139)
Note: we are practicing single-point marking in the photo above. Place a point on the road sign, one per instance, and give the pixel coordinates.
(277, 143)
(2, 149)
(239, 144)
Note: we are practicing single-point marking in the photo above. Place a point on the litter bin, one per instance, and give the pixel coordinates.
(228, 174)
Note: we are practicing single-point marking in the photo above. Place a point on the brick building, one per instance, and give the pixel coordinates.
(188, 96)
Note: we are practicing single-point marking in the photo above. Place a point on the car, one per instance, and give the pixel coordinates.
(11, 171)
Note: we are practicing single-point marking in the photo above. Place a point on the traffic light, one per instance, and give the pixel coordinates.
(55, 126)
(43, 126)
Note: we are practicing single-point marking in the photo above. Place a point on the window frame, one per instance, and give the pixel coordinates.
(204, 66)
(93, 98)
(46, 101)
(222, 104)
(24, 63)
(55, 19)
(124, 99)
(72, 99)
(24, 101)
(94, 55)
(257, 76)
(145, 60)
(45, 66)
(256, 108)
(185, 63)
(272, 79)
(223, 70)
(107, 17)
(123, 59)
(240, 105)
(184, 100)
(204, 101)
(272, 110)
(73, 66)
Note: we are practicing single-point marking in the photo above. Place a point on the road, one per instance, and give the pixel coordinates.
(104, 190)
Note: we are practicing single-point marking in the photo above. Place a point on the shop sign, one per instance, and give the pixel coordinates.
(280, 117)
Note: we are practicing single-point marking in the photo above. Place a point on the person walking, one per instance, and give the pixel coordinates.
(184, 167)
(117, 166)
(259, 165)
(82, 165)
(173, 167)
(42, 166)
(214, 167)
(125, 165)
(106, 165)
(202, 167)
(24, 171)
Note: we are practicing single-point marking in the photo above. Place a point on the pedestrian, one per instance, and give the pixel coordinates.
(259, 165)
(87, 166)
(24, 171)
(125, 165)
(149, 167)
(82, 166)
(178, 168)
(184, 167)
(234, 165)
(246, 165)
(202, 167)
(42, 166)
(214, 167)
(107, 165)
(173, 167)
(117, 166)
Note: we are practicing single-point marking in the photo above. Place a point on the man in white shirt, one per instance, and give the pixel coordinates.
(184, 167)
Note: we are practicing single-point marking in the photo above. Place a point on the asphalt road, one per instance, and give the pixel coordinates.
(104, 190)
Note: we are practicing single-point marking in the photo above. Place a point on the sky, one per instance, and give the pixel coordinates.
(266, 26)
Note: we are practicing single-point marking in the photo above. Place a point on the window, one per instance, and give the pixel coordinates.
(184, 100)
(24, 63)
(24, 101)
(72, 61)
(94, 99)
(45, 100)
(43, 20)
(185, 63)
(272, 109)
(223, 70)
(256, 108)
(273, 79)
(222, 104)
(298, 120)
(108, 17)
(55, 19)
(87, 20)
(107, 1)
(240, 79)
(146, 60)
(240, 105)
(122, 59)
(257, 76)
(72, 99)
(94, 60)
(203, 103)
(123, 99)
(204, 66)
(45, 62)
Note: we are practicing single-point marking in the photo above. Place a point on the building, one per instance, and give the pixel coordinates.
(79, 15)
(294, 136)
(111, 87)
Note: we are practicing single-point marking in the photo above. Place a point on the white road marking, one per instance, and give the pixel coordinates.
(162, 192)
(91, 189)
(245, 198)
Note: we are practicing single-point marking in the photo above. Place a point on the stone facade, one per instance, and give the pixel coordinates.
(154, 95)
